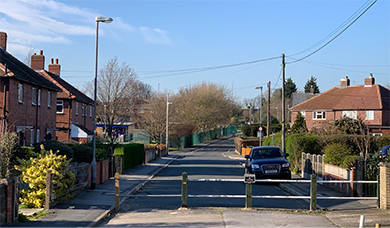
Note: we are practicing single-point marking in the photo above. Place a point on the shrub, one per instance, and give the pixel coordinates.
(57, 147)
(34, 173)
(250, 130)
(335, 154)
(82, 153)
(349, 161)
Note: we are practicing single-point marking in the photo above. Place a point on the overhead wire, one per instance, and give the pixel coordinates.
(338, 34)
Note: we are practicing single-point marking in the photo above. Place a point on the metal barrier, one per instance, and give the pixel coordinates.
(248, 196)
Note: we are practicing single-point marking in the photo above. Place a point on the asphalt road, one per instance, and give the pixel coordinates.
(206, 162)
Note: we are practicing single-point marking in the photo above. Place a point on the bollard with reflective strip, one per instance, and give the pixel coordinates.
(184, 189)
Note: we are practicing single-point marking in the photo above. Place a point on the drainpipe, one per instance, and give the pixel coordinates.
(5, 81)
(69, 113)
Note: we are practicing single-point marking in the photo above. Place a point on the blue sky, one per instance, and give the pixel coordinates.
(155, 36)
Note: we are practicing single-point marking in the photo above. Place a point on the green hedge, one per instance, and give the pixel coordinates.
(82, 153)
(57, 148)
(133, 154)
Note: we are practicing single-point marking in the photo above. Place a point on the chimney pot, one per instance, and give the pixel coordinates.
(51, 61)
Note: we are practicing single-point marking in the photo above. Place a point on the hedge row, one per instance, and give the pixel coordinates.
(133, 154)
(319, 144)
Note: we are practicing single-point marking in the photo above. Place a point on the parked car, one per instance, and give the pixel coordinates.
(268, 162)
(384, 150)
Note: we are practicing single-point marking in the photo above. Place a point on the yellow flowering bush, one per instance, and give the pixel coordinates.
(34, 173)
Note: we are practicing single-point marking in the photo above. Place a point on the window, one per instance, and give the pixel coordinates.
(303, 113)
(319, 115)
(60, 106)
(369, 115)
(37, 135)
(34, 96)
(32, 137)
(350, 114)
(39, 97)
(77, 108)
(82, 110)
(90, 111)
(20, 93)
(48, 99)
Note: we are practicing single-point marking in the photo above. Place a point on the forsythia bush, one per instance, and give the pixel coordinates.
(34, 173)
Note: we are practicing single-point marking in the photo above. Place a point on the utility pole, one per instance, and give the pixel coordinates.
(268, 106)
(283, 105)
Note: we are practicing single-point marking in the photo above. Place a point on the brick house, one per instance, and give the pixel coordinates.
(74, 121)
(27, 100)
(369, 102)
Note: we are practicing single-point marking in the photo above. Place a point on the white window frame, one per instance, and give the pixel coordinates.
(350, 114)
(303, 113)
(77, 108)
(33, 96)
(39, 97)
(90, 111)
(20, 93)
(37, 136)
(322, 115)
(49, 99)
(61, 104)
(370, 115)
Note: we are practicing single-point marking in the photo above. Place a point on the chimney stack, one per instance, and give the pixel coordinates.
(3, 41)
(368, 82)
(344, 82)
(38, 61)
(54, 68)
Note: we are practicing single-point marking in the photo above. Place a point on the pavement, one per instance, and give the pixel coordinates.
(93, 208)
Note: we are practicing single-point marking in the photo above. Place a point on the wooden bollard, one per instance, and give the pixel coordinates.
(48, 189)
(248, 197)
(313, 193)
(184, 189)
(116, 191)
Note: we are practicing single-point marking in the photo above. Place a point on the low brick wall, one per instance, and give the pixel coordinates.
(9, 200)
(240, 142)
(82, 176)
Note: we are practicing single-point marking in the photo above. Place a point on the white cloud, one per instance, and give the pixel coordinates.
(30, 22)
(157, 36)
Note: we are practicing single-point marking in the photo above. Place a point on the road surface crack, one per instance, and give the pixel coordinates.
(223, 220)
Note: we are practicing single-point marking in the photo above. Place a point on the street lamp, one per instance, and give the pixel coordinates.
(93, 164)
(261, 105)
(166, 127)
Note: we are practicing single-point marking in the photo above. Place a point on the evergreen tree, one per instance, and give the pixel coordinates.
(312, 82)
(299, 124)
(290, 87)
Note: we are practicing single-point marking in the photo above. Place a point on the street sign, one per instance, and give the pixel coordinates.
(250, 178)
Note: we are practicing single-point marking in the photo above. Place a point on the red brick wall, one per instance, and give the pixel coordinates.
(39, 117)
(63, 118)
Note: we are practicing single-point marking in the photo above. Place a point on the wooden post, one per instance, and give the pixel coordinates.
(116, 191)
(48, 189)
(184, 189)
(313, 193)
(248, 198)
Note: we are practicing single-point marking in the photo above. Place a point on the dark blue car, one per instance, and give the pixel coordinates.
(268, 162)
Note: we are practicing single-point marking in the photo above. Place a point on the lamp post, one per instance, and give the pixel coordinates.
(261, 105)
(93, 164)
(167, 124)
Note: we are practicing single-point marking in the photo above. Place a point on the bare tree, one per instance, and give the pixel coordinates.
(117, 94)
(27, 59)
